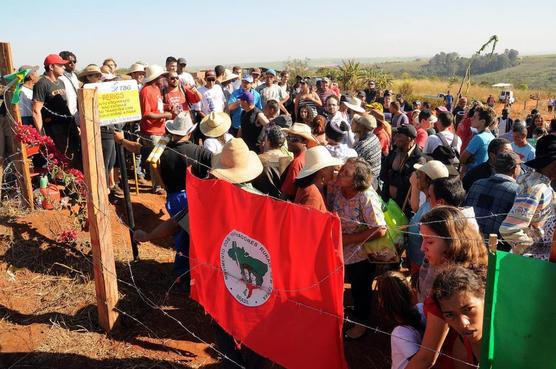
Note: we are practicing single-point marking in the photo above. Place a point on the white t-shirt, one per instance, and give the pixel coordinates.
(273, 92)
(214, 145)
(213, 99)
(503, 125)
(71, 85)
(404, 342)
(26, 102)
(433, 142)
(187, 79)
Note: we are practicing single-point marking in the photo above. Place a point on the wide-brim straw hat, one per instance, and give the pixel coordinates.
(215, 124)
(354, 104)
(89, 69)
(181, 125)
(152, 72)
(316, 158)
(136, 67)
(228, 75)
(236, 163)
(302, 130)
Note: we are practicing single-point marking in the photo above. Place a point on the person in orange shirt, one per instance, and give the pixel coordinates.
(153, 118)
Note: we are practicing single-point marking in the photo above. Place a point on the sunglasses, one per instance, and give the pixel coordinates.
(173, 78)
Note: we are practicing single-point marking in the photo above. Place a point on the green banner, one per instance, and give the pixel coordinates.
(519, 329)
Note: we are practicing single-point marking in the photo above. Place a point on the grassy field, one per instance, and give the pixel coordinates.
(536, 72)
(427, 88)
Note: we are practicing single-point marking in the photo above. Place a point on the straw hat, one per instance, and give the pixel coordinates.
(215, 124)
(236, 163)
(354, 104)
(228, 75)
(182, 125)
(300, 129)
(316, 158)
(152, 72)
(136, 67)
(365, 120)
(89, 69)
(434, 169)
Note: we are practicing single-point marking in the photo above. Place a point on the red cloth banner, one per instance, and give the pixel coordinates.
(269, 272)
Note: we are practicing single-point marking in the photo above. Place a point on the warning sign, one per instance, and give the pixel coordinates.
(118, 102)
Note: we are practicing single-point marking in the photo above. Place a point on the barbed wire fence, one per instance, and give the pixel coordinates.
(11, 174)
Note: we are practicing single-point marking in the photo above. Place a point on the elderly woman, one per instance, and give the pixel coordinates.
(359, 208)
(317, 172)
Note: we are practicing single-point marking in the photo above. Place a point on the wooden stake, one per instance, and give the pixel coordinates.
(21, 160)
(492, 242)
(98, 210)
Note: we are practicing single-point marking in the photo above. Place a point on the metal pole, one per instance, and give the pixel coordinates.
(124, 184)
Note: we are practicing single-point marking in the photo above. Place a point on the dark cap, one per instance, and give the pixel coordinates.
(247, 97)
(408, 130)
(506, 161)
(545, 152)
(182, 61)
(284, 121)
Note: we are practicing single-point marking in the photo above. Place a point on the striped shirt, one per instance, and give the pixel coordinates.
(529, 226)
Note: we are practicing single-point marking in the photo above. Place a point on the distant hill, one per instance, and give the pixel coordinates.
(536, 72)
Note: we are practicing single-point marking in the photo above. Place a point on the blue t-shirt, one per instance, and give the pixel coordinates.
(236, 114)
(478, 147)
(414, 239)
(526, 152)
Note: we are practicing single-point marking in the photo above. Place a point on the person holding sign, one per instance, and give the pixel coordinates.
(153, 118)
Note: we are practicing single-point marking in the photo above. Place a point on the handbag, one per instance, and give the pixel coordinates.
(385, 249)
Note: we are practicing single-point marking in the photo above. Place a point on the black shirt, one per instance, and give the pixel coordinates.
(53, 95)
(174, 164)
(251, 132)
(481, 171)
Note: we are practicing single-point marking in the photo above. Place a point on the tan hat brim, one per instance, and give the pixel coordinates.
(306, 136)
(215, 131)
(246, 173)
(307, 171)
(355, 108)
(154, 76)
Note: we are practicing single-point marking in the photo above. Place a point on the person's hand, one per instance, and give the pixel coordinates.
(413, 181)
(168, 115)
(140, 236)
(118, 136)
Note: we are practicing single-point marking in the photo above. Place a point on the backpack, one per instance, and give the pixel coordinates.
(448, 150)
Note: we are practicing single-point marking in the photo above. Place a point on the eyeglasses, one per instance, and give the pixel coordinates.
(72, 61)
(293, 139)
(173, 78)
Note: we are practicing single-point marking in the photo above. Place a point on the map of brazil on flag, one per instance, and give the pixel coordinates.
(269, 272)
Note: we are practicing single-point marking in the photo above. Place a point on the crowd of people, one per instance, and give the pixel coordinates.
(458, 171)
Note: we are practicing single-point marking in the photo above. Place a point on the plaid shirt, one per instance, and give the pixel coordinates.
(492, 196)
(529, 226)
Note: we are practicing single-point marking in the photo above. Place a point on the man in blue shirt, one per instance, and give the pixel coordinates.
(235, 107)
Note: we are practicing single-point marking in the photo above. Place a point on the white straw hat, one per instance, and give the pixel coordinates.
(354, 104)
(181, 125)
(152, 72)
(316, 158)
(300, 129)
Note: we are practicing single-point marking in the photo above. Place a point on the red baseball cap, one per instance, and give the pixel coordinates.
(54, 59)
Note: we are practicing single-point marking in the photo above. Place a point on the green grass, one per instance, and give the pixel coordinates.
(537, 72)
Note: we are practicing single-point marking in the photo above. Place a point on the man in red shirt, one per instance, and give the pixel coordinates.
(153, 118)
(177, 98)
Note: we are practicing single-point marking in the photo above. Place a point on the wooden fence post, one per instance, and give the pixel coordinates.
(98, 210)
(20, 157)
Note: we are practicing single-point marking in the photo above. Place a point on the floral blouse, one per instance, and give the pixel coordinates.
(365, 207)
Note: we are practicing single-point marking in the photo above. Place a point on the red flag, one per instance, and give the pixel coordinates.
(269, 272)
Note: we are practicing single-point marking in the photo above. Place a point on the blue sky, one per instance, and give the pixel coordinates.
(223, 32)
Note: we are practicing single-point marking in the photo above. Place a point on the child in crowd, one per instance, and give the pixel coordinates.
(395, 304)
(459, 294)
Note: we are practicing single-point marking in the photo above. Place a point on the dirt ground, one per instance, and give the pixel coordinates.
(48, 316)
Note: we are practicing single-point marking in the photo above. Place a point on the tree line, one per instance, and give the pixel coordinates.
(452, 64)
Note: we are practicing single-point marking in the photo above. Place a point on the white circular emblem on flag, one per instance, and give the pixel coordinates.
(246, 266)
